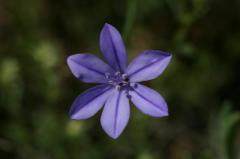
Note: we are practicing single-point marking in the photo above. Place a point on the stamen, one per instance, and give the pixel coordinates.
(107, 75)
(110, 82)
(124, 76)
(118, 87)
(117, 80)
(117, 73)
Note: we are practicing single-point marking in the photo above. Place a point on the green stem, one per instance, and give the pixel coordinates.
(130, 17)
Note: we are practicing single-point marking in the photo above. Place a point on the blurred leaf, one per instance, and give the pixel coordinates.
(146, 155)
(9, 71)
(187, 11)
(132, 8)
(74, 128)
(223, 132)
(11, 90)
(46, 54)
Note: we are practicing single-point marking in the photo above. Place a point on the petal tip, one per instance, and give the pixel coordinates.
(75, 116)
(69, 59)
(109, 28)
(163, 114)
(106, 26)
(72, 117)
(114, 135)
(164, 53)
(169, 55)
(158, 115)
(164, 111)
(72, 114)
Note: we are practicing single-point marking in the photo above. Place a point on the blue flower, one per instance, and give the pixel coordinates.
(118, 83)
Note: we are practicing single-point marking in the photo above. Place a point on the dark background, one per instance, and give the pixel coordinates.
(201, 84)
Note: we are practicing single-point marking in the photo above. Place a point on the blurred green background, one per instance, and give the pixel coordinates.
(201, 84)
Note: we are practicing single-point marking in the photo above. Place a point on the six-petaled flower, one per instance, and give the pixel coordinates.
(118, 83)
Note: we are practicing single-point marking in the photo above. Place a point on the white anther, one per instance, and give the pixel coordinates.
(124, 76)
(110, 82)
(107, 75)
(118, 87)
(117, 73)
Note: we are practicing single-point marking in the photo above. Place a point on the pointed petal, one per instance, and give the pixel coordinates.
(89, 102)
(112, 47)
(115, 114)
(88, 68)
(148, 65)
(148, 101)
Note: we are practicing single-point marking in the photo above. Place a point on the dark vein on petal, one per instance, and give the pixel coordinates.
(91, 69)
(114, 50)
(93, 97)
(144, 67)
(155, 105)
(116, 113)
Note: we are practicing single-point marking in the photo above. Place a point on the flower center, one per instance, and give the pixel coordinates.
(118, 80)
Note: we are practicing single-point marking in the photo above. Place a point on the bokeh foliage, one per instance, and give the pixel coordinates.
(201, 85)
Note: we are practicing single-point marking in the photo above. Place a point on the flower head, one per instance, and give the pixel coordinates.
(118, 83)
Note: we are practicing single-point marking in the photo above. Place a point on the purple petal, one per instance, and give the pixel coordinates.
(148, 101)
(88, 68)
(89, 102)
(112, 47)
(115, 114)
(148, 65)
